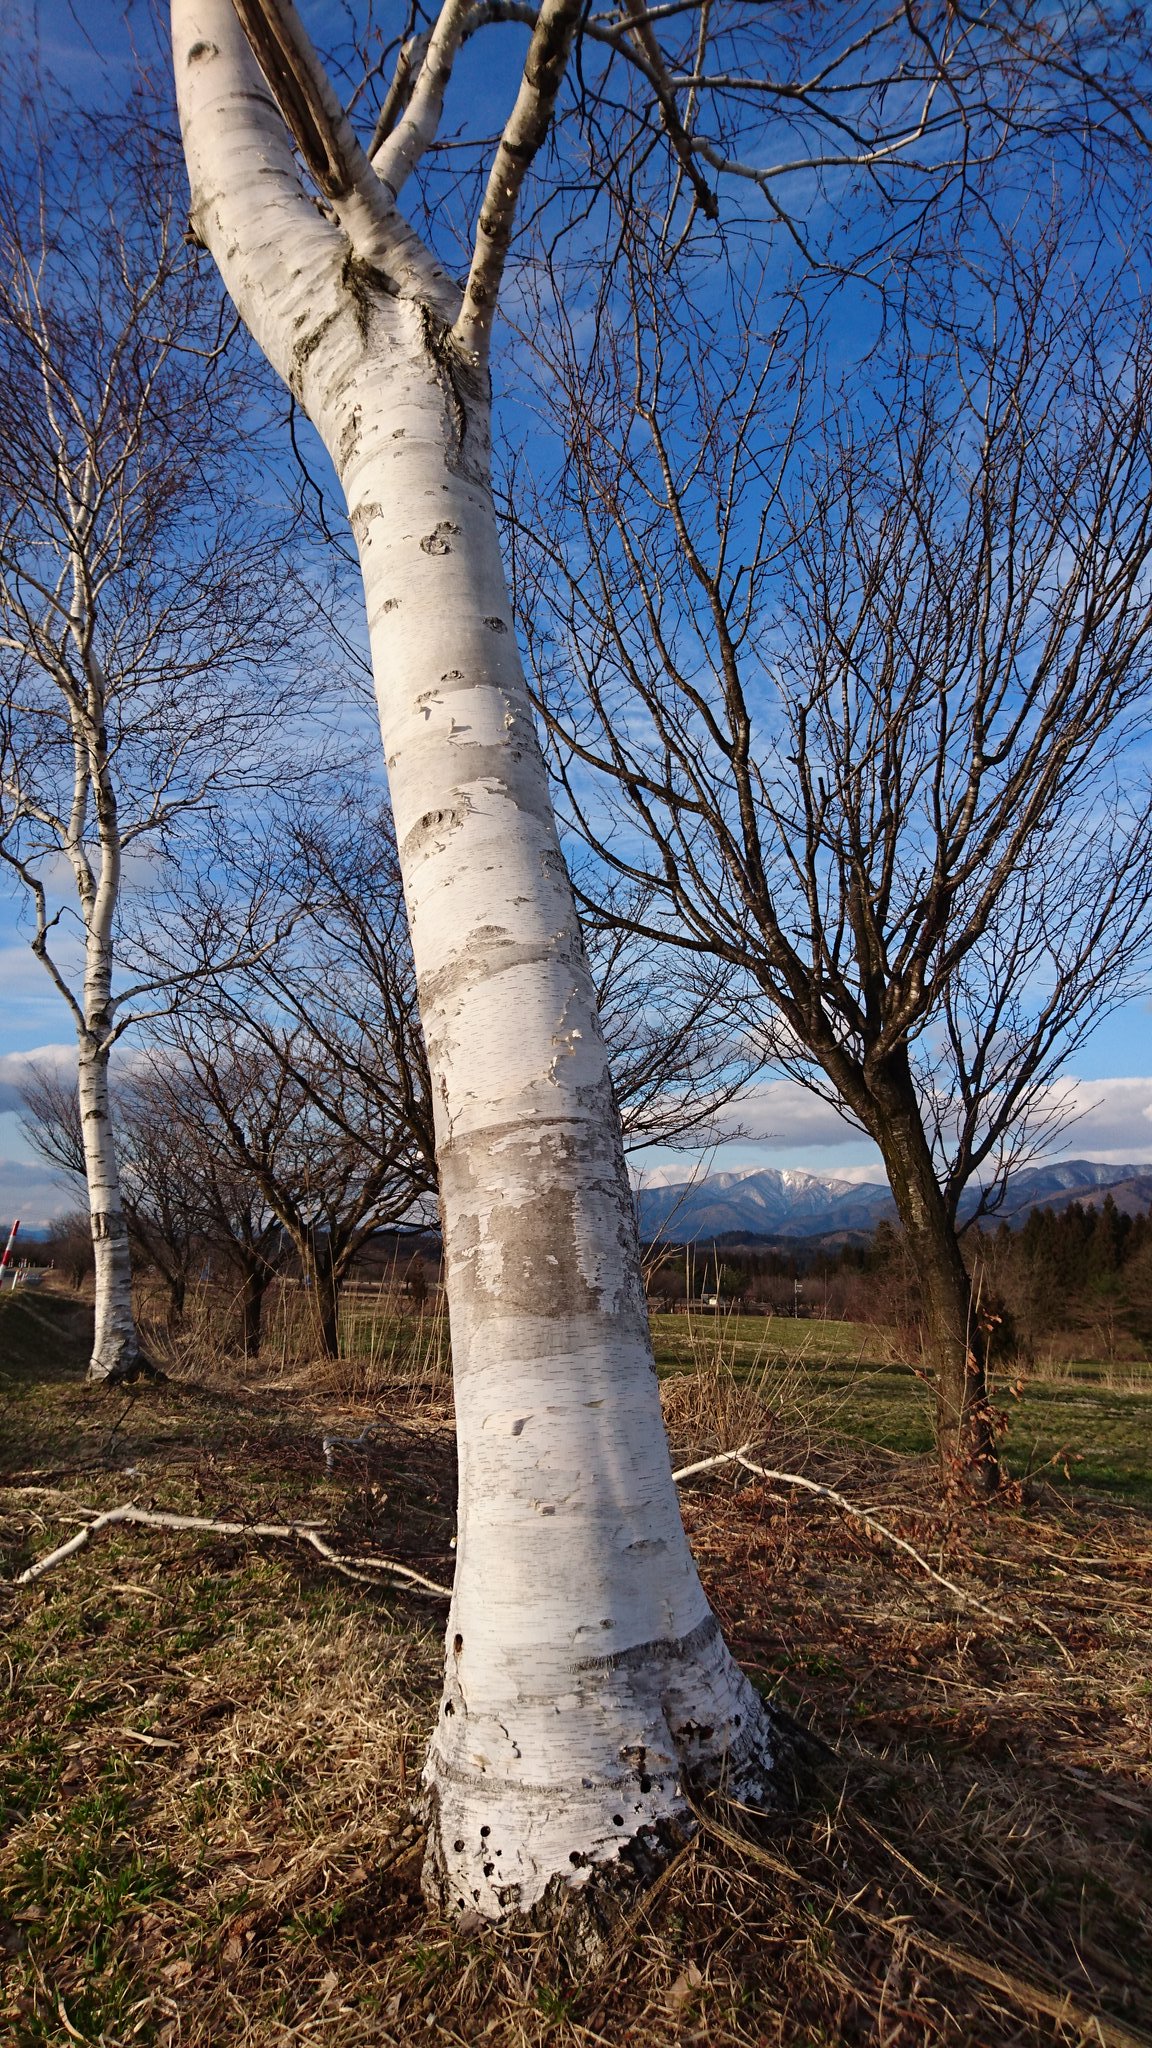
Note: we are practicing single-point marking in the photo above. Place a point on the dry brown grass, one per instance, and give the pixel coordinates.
(210, 1753)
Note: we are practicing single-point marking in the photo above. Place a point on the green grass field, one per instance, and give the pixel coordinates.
(839, 1379)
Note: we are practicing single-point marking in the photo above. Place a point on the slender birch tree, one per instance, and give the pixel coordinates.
(183, 1194)
(145, 599)
(586, 1679)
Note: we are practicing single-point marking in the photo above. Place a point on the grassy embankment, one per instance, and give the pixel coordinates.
(210, 1745)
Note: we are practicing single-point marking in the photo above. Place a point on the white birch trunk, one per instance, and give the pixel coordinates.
(585, 1672)
(115, 1348)
(115, 1345)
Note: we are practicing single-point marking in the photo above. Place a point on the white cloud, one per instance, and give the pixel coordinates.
(785, 1126)
(15, 1070)
(782, 1113)
(1113, 1120)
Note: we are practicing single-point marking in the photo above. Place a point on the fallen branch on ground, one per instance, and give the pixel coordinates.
(847, 1507)
(330, 1444)
(300, 1532)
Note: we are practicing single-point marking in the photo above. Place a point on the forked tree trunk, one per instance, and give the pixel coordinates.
(965, 1434)
(586, 1676)
(115, 1348)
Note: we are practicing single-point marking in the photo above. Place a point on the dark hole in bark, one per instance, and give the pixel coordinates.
(484, 1834)
(488, 1869)
(458, 1846)
(457, 1645)
(448, 1707)
(736, 1720)
(645, 1784)
(617, 1820)
(577, 1860)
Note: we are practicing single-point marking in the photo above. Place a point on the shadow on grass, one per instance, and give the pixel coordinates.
(211, 1748)
(43, 1336)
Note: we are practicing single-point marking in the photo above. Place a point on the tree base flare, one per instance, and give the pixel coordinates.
(590, 1791)
(124, 1372)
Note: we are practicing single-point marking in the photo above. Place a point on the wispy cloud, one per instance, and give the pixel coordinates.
(15, 1070)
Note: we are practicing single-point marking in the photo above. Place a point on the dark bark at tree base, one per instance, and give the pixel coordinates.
(126, 1373)
(587, 1921)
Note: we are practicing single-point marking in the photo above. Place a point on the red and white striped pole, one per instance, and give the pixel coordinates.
(8, 1249)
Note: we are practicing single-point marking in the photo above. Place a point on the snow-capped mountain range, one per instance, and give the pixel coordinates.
(770, 1202)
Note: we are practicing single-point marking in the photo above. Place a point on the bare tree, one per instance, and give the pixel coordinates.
(69, 1244)
(856, 702)
(185, 1200)
(548, 1757)
(322, 1149)
(333, 1004)
(146, 598)
(159, 1182)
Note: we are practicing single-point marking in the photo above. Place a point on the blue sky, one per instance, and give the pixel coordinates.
(784, 1127)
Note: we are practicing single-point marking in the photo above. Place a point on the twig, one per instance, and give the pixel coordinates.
(740, 1457)
(351, 1443)
(300, 1532)
(709, 1464)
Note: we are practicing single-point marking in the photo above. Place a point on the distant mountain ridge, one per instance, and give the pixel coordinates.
(773, 1202)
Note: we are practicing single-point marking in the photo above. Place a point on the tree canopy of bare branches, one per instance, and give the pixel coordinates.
(854, 692)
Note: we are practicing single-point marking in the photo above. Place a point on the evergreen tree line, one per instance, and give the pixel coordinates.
(1077, 1279)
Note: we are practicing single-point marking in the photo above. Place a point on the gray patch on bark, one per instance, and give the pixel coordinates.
(350, 439)
(468, 970)
(306, 348)
(537, 1269)
(108, 1226)
(433, 831)
(532, 1267)
(641, 1654)
(437, 542)
(360, 520)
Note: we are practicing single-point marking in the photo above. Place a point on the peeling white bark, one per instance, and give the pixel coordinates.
(585, 1671)
(115, 1345)
(115, 1349)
